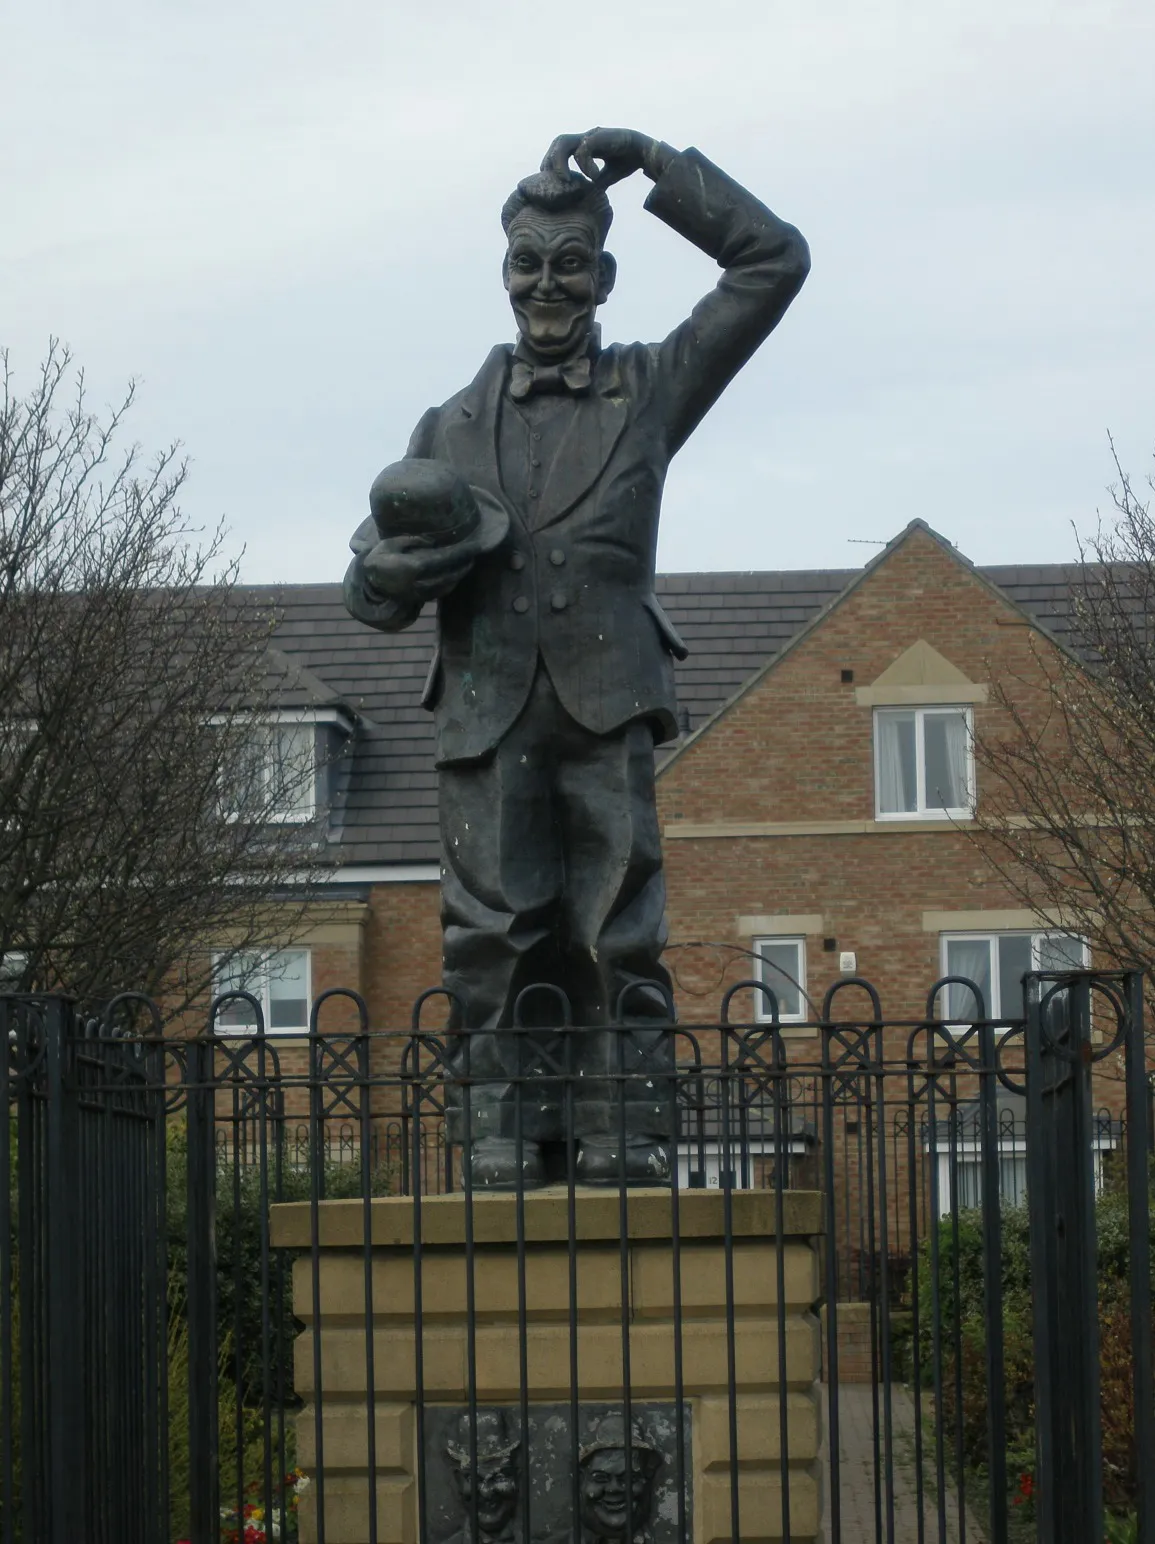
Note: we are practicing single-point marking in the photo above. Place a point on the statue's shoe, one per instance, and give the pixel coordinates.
(601, 1161)
(499, 1163)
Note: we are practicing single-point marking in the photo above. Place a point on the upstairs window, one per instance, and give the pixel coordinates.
(997, 963)
(923, 766)
(280, 983)
(782, 967)
(274, 777)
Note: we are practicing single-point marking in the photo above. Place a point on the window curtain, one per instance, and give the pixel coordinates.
(970, 957)
(897, 782)
(955, 726)
(945, 738)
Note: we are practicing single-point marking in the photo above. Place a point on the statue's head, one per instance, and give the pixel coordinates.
(556, 267)
(491, 1483)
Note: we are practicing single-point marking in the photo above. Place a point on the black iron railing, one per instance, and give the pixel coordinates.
(984, 1277)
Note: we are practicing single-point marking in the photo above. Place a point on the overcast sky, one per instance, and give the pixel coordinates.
(282, 219)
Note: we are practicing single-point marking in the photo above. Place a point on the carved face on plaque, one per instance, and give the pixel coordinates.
(617, 1495)
(491, 1483)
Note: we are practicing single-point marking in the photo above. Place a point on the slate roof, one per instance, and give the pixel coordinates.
(733, 624)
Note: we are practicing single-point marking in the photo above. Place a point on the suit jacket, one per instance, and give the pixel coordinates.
(573, 583)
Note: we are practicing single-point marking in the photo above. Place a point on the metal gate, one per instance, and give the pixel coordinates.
(83, 1375)
(898, 1286)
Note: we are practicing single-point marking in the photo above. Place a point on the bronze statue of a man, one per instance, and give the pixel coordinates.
(553, 679)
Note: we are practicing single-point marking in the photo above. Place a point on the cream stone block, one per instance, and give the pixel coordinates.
(347, 1501)
(651, 1353)
(702, 1277)
(761, 1514)
(393, 1220)
(600, 1361)
(444, 1283)
(759, 1429)
(343, 1362)
(345, 1436)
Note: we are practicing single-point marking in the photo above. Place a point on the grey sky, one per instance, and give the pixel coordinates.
(282, 218)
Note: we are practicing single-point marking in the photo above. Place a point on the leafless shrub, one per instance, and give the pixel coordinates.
(130, 672)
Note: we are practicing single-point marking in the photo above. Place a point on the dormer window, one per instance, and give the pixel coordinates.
(272, 776)
(285, 758)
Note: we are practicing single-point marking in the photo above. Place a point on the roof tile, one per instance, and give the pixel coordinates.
(733, 623)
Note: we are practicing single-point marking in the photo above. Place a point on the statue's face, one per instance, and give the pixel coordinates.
(613, 1504)
(556, 275)
(496, 1490)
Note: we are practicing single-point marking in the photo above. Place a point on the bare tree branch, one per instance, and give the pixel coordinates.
(131, 672)
(1067, 811)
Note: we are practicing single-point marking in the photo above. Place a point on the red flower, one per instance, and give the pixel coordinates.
(1026, 1489)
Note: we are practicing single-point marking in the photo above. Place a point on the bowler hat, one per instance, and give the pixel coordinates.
(609, 1435)
(427, 500)
(494, 1440)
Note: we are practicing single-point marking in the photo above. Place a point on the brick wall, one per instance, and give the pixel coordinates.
(795, 749)
(769, 813)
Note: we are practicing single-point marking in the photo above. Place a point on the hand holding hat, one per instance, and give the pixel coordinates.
(426, 530)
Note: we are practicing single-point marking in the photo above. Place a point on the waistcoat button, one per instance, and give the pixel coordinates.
(517, 561)
(521, 605)
(557, 557)
(558, 601)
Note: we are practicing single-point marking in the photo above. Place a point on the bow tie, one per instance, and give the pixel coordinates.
(526, 378)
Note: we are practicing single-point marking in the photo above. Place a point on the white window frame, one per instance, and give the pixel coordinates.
(272, 724)
(995, 1008)
(922, 811)
(762, 1012)
(258, 986)
(968, 1154)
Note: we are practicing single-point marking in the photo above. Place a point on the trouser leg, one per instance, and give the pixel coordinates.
(500, 892)
(552, 874)
(613, 917)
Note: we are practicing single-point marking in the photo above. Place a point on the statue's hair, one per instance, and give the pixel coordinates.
(556, 192)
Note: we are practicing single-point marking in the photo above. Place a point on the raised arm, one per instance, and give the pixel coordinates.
(765, 261)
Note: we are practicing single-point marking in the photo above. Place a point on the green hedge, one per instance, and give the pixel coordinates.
(962, 1318)
(240, 1228)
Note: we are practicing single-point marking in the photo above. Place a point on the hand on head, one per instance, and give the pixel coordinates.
(621, 152)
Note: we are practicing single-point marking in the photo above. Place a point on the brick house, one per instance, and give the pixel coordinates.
(814, 810)
(801, 689)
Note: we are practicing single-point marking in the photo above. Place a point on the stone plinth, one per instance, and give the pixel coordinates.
(600, 1245)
